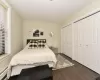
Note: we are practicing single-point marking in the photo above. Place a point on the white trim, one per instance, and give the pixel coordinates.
(89, 13)
(9, 30)
(2, 57)
(67, 25)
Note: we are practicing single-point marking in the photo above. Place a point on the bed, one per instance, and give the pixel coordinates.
(36, 53)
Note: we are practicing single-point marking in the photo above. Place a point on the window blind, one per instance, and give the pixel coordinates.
(2, 29)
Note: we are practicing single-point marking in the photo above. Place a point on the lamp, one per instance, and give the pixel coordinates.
(51, 34)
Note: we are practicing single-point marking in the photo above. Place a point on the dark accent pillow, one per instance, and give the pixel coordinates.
(41, 45)
(30, 46)
(33, 45)
(37, 44)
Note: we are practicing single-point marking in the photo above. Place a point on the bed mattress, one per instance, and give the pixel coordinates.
(31, 58)
(16, 70)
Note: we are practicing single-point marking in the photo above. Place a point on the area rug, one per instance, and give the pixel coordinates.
(62, 62)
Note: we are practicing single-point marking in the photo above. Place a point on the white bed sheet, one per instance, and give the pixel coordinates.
(31, 57)
(16, 70)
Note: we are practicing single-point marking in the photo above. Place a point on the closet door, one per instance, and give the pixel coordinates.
(81, 41)
(67, 40)
(96, 42)
(75, 41)
(85, 42)
(62, 40)
(88, 42)
(63, 46)
(87, 36)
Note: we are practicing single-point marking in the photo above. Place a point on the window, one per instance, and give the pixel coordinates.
(3, 29)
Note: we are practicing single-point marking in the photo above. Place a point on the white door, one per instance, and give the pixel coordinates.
(62, 40)
(78, 32)
(87, 36)
(67, 40)
(96, 43)
(75, 41)
(80, 41)
(85, 42)
(70, 41)
(88, 54)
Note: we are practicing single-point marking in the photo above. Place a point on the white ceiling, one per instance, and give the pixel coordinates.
(53, 11)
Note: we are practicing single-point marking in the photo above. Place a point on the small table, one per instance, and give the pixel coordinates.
(37, 73)
(54, 49)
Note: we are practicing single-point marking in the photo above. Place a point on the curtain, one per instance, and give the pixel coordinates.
(2, 29)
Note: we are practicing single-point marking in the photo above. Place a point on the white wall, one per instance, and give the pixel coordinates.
(47, 27)
(85, 11)
(16, 33)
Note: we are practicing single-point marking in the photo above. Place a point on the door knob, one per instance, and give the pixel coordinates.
(87, 45)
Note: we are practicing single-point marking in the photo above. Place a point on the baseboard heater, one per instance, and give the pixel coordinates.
(3, 75)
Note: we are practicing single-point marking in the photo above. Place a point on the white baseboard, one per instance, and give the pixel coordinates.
(2, 75)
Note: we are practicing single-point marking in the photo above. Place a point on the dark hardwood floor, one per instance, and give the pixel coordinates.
(76, 72)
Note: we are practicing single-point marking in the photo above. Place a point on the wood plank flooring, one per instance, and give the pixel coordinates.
(76, 72)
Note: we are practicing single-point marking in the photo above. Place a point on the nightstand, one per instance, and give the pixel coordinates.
(54, 49)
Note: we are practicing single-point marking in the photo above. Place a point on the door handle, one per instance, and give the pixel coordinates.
(87, 45)
(80, 45)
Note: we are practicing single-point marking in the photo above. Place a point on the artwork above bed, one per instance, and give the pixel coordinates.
(37, 33)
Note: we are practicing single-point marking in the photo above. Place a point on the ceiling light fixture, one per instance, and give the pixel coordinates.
(51, 0)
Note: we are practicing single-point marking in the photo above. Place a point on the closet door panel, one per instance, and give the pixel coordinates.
(91, 43)
(62, 40)
(88, 42)
(67, 40)
(75, 41)
(97, 43)
(81, 41)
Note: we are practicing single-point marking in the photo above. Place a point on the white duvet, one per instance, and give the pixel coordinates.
(32, 57)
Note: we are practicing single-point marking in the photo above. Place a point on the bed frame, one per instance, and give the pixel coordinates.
(36, 40)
